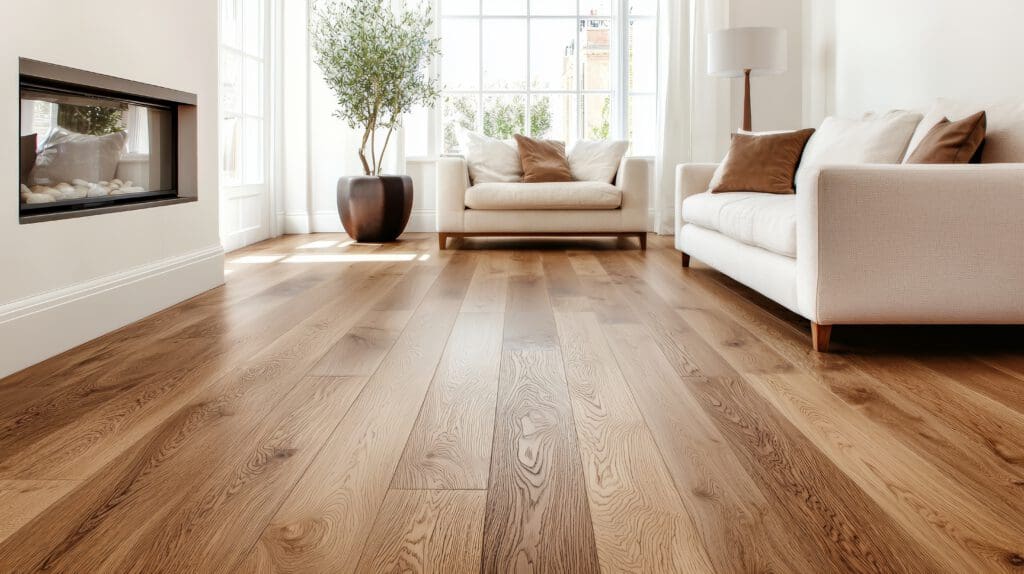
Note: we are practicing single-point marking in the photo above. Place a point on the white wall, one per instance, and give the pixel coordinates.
(903, 54)
(69, 281)
(776, 101)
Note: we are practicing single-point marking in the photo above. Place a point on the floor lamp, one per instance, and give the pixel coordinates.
(744, 52)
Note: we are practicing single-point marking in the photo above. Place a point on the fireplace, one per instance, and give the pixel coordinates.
(93, 144)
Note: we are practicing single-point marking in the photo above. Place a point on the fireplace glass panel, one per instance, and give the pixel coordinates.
(82, 149)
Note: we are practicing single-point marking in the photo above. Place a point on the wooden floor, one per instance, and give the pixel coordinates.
(529, 405)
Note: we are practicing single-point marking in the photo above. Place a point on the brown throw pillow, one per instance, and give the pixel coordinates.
(543, 160)
(951, 142)
(765, 163)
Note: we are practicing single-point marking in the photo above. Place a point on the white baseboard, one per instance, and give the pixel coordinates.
(421, 220)
(296, 223)
(44, 325)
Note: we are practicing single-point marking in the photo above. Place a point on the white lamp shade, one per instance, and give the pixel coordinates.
(761, 50)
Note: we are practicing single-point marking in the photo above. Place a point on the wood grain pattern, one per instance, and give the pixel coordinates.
(741, 530)
(324, 524)
(240, 496)
(516, 404)
(538, 518)
(450, 445)
(489, 287)
(428, 531)
(631, 494)
(938, 520)
(22, 500)
(122, 404)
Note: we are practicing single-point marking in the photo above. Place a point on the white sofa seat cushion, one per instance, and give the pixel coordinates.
(555, 195)
(762, 220)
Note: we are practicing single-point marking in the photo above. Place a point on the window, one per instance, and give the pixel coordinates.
(556, 69)
(247, 120)
(242, 90)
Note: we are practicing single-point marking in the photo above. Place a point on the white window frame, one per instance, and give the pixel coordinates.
(619, 92)
(270, 115)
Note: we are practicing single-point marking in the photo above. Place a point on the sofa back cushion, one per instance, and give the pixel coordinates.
(1004, 133)
(951, 142)
(543, 160)
(491, 160)
(596, 160)
(762, 163)
(871, 139)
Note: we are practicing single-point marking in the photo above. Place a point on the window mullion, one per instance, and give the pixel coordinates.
(480, 61)
(528, 128)
(579, 74)
(622, 76)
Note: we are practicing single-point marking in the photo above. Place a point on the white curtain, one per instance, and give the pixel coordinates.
(693, 108)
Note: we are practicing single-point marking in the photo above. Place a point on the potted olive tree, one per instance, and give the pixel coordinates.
(375, 60)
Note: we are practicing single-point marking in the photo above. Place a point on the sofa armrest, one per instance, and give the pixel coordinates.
(911, 244)
(691, 178)
(452, 183)
(634, 179)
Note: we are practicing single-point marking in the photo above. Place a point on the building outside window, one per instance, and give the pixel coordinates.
(554, 69)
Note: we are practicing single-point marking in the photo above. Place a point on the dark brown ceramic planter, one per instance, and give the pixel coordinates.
(375, 209)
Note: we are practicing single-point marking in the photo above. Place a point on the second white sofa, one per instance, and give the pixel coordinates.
(577, 208)
(882, 244)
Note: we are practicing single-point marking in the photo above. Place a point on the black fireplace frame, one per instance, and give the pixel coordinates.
(182, 105)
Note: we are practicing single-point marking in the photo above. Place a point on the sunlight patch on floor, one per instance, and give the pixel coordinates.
(258, 259)
(350, 257)
(319, 244)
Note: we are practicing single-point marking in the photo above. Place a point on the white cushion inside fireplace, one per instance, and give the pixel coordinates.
(66, 156)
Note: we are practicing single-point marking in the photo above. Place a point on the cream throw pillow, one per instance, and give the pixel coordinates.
(67, 155)
(491, 160)
(872, 139)
(596, 160)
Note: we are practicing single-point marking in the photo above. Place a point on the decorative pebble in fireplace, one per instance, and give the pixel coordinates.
(94, 144)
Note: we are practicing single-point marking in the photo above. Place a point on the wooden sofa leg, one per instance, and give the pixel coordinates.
(686, 260)
(442, 241)
(643, 241)
(820, 335)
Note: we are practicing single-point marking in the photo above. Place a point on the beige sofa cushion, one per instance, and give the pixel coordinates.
(1004, 134)
(553, 195)
(762, 220)
(871, 139)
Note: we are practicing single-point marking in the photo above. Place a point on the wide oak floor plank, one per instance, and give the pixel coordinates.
(538, 516)
(450, 445)
(428, 531)
(23, 500)
(324, 523)
(739, 526)
(640, 522)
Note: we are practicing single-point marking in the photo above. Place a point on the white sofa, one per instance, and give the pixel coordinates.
(871, 244)
(578, 208)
